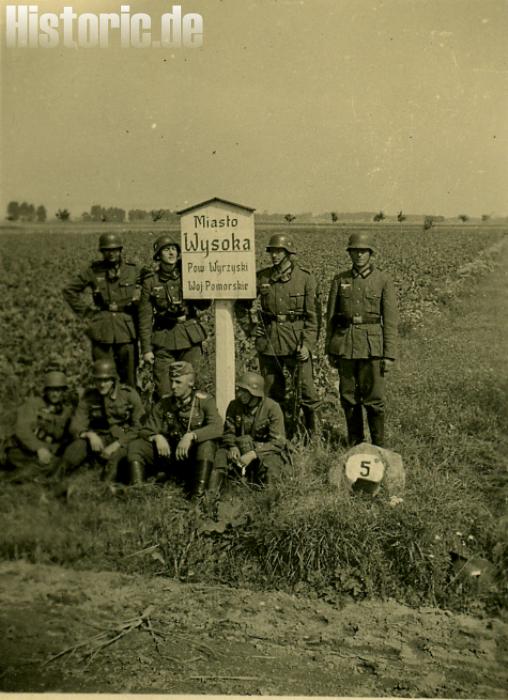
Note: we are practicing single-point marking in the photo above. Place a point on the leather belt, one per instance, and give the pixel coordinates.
(358, 319)
(165, 323)
(281, 318)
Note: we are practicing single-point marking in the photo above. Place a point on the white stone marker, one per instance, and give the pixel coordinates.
(219, 262)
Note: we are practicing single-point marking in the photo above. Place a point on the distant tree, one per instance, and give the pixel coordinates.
(428, 223)
(463, 217)
(85, 216)
(41, 213)
(335, 216)
(290, 218)
(13, 211)
(401, 217)
(485, 217)
(26, 211)
(157, 214)
(379, 216)
(63, 214)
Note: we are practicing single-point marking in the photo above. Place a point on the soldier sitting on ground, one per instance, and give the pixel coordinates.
(254, 439)
(108, 416)
(41, 431)
(179, 435)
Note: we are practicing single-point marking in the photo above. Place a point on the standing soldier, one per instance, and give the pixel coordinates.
(41, 430)
(361, 338)
(169, 329)
(116, 288)
(179, 434)
(108, 416)
(254, 437)
(287, 326)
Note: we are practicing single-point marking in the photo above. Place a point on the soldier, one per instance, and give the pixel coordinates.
(41, 430)
(116, 287)
(254, 438)
(287, 325)
(169, 328)
(179, 434)
(108, 416)
(361, 338)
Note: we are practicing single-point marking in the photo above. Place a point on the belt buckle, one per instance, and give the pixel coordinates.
(113, 306)
(357, 318)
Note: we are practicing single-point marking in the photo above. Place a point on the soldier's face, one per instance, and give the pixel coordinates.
(182, 386)
(360, 256)
(243, 396)
(112, 255)
(54, 395)
(104, 386)
(277, 255)
(169, 254)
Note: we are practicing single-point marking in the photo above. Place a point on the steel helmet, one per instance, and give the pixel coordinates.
(55, 380)
(162, 242)
(253, 383)
(104, 369)
(281, 240)
(362, 240)
(110, 241)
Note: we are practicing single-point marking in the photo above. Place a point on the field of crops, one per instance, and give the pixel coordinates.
(445, 416)
(35, 265)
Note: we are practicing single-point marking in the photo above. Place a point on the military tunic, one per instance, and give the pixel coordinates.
(113, 318)
(173, 418)
(361, 331)
(38, 424)
(289, 316)
(115, 418)
(260, 428)
(169, 325)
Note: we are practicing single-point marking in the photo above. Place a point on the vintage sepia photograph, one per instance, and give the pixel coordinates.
(253, 377)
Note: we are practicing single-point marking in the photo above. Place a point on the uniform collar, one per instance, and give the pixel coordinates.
(182, 403)
(364, 273)
(282, 272)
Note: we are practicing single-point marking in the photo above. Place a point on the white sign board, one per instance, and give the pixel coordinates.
(218, 251)
(364, 466)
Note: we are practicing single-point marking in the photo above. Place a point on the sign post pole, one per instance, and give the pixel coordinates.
(224, 354)
(219, 263)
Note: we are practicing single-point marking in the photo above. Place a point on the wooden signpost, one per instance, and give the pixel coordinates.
(219, 262)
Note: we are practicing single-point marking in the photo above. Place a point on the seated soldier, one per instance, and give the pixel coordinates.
(179, 434)
(107, 417)
(41, 431)
(254, 439)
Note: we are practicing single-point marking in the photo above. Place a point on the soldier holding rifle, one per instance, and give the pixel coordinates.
(286, 326)
(361, 338)
(169, 327)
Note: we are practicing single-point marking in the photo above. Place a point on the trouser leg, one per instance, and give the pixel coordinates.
(141, 459)
(75, 454)
(204, 460)
(350, 399)
(163, 359)
(271, 368)
(126, 356)
(372, 385)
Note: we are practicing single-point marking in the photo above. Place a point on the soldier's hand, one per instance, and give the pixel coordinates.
(303, 354)
(149, 357)
(234, 453)
(162, 446)
(386, 365)
(44, 455)
(110, 449)
(259, 331)
(248, 457)
(96, 444)
(183, 447)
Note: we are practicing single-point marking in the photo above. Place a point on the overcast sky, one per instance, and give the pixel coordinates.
(290, 105)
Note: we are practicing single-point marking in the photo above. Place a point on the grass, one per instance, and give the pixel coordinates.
(447, 417)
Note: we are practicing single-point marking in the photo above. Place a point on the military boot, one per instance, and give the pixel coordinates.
(216, 481)
(202, 475)
(136, 473)
(311, 422)
(376, 428)
(354, 422)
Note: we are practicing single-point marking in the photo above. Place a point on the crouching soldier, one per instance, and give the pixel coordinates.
(41, 431)
(179, 434)
(254, 439)
(108, 416)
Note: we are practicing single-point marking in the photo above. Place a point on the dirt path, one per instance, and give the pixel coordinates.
(218, 640)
